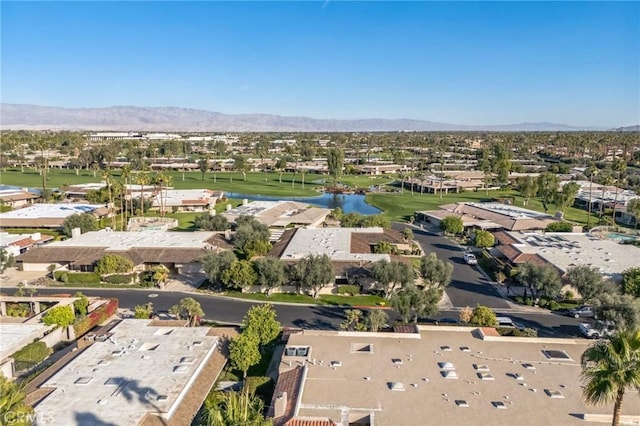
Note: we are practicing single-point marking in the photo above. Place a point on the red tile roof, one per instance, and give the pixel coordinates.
(291, 383)
(504, 238)
(310, 421)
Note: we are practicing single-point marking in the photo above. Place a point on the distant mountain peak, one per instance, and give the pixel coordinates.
(126, 117)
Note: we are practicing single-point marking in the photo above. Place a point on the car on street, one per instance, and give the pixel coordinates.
(597, 330)
(584, 311)
(470, 259)
(507, 322)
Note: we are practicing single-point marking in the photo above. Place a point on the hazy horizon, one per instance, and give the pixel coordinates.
(466, 63)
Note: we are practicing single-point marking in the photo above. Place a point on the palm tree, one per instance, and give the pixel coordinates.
(12, 404)
(590, 171)
(142, 179)
(231, 409)
(189, 308)
(609, 368)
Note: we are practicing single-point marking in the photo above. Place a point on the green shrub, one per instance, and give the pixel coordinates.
(18, 310)
(83, 278)
(568, 295)
(119, 278)
(559, 227)
(553, 305)
(529, 302)
(31, 355)
(352, 290)
(86, 323)
(57, 275)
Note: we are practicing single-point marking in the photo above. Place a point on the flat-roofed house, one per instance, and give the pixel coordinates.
(191, 200)
(17, 197)
(434, 376)
(178, 251)
(48, 215)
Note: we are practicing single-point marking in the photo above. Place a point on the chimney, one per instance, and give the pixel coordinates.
(280, 405)
(75, 232)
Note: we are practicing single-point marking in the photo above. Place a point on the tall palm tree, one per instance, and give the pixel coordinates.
(609, 368)
(590, 171)
(619, 166)
(142, 179)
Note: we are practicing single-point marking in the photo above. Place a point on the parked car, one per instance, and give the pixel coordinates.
(451, 321)
(596, 331)
(470, 258)
(507, 322)
(584, 311)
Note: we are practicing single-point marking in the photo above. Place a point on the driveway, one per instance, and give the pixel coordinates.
(468, 285)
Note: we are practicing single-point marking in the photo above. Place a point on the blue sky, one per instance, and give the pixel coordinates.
(576, 63)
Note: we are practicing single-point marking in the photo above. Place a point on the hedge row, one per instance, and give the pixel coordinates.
(31, 355)
(352, 290)
(81, 278)
(119, 278)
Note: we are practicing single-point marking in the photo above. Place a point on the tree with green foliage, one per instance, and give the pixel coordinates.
(484, 164)
(452, 225)
(271, 274)
(547, 188)
(384, 247)
(214, 264)
(6, 260)
(483, 239)
(587, 280)
(335, 163)
(244, 352)
(81, 305)
(633, 208)
(62, 316)
(424, 302)
(14, 410)
(376, 319)
(251, 236)
(483, 316)
(620, 310)
(203, 165)
(315, 272)
(143, 311)
(240, 275)
(541, 280)
(85, 221)
(188, 308)
(407, 234)
(528, 188)
(232, 409)
(261, 321)
(567, 196)
(241, 164)
(435, 273)
(206, 222)
(401, 302)
(113, 264)
(353, 320)
(610, 367)
(631, 282)
(390, 276)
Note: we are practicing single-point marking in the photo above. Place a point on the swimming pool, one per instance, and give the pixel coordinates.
(621, 237)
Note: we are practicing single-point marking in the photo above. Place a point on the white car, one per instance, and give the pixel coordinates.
(470, 258)
(596, 331)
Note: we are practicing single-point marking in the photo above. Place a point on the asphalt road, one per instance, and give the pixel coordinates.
(219, 309)
(469, 286)
(230, 311)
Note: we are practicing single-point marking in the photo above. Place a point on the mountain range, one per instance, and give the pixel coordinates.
(131, 118)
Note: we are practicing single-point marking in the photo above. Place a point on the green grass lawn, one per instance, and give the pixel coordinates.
(328, 299)
(397, 206)
(402, 206)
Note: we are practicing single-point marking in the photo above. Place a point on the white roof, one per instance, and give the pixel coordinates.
(565, 250)
(123, 240)
(133, 373)
(16, 336)
(38, 211)
(334, 242)
(178, 197)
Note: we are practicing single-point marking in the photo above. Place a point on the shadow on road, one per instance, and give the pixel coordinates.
(447, 247)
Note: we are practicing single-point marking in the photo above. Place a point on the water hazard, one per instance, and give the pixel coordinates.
(347, 202)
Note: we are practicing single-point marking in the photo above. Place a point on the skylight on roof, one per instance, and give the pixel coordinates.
(83, 380)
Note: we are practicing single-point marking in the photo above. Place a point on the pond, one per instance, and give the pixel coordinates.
(347, 202)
